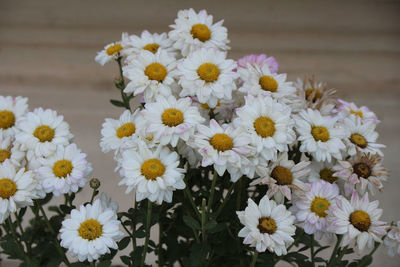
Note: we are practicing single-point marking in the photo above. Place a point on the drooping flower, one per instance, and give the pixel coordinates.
(392, 240)
(110, 52)
(347, 109)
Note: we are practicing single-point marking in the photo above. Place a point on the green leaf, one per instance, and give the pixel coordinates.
(210, 225)
(126, 260)
(117, 103)
(106, 263)
(191, 222)
(124, 242)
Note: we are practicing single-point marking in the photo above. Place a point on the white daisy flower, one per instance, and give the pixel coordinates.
(17, 189)
(91, 231)
(322, 170)
(319, 135)
(358, 221)
(311, 207)
(153, 173)
(11, 111)
(42, 130)
(392, 240)
(347, 109)
(150, 74)
(193, 31)
(281, 176)
(208, 75)
(268, 123)
(267, 226)
(10, 150)
(170, 120)
(110, 52)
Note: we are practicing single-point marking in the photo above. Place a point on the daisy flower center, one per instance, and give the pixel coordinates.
(172, 117)
(360, 220)
(264, 126)
(358, 113)
(358, 140)
(282, 175)
(327, 175)
(266, 225)
(317, 94)
(62, 168)
(320, 133)
(7, 188)
(152, 168)
(112, 49)
(201, 32)
(90, 229)
(362, 170)
(268, 83)
(206, 106)
(153, 48)
(44, 133)
(4, 154)
(156, 72)
(126, 130)
(221, 142)
(208, 72)
(7, 119)
(319, 205)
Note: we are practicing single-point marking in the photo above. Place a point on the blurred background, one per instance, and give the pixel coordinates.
(47, 51)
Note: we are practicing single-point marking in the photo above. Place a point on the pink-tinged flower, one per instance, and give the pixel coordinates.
(392, 240)
(347, 109)
(260, 60)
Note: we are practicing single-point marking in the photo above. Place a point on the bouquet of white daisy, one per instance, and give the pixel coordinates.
(234, 164)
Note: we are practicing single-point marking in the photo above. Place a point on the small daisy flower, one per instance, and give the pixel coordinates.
(311, 207)
(392, 240)
(282, 176)
(91, 231)
(193, 31)
(153, 173)
(110, 52)
(11, 111)
(358, 221)
(347, 109)
(322, 170)
(150, 74)
(10, 151)
(259, 60)
(170, 120)
(208, 75)
(319, 135)
(17, 189)
(267, 226)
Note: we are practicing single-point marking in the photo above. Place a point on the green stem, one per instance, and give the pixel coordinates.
(146, 242)
(334, 252)
(254, 259)
(312, 250)
(13, 232)
(160, 239)
(203, 219)
(93, 264)
(210, 200)
(125, 98)
(27, 244)
(133, 221)
(228, 196)
(189, 196)
(93, 194)
(239, 194)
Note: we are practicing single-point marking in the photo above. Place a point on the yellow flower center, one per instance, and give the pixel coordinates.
(327, 175)
(201, 32)
(317, 94)
(358, 140)
(7, 188)
(360, 220)
(44, 133)
(4, 154)
(221, 142)
(7, 119)
(319, 205)
(268, 83)
(358, 113)
(208, 72)
(264, 126)
(266, 225)
(320, 133)
(206, 106)
(152, 168)
(126, 130)
(90, 229)
(156, 72)
(362, 170)
(282, 175)
(172, 117)
(112, 49)
(62, 168)
(153, 48)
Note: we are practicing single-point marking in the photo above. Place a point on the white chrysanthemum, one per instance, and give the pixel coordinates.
(208, 75)
(110, 52)
(311, 207)
(357, 220)
(150, 74)
(42, 130)
(268, 123)
(193, 31)
(282, 176)
(267, 226)
(322, 170)
(169, 119)
(91, 231)
(65, 171)
(153, 173)
(115, 134)
(319, 135)
(349, 109)
(10, 150)
(392, 240)
(17, 189)
(11, 111)
(224, 147)
(361, 137)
